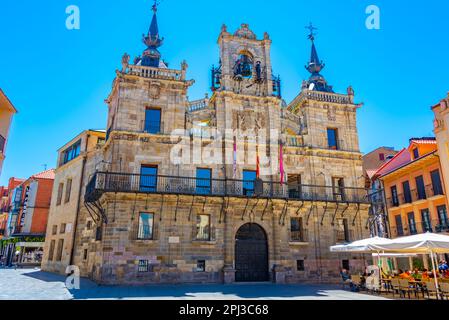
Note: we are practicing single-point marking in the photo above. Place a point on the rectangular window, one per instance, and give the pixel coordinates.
(148, 178)
(71, 152)
(338, 187)
(249, 177)
(300, 265)
(60, 190)
(345, 264)
(420, 187)
(51, 251)
(85, 254)
(201, 266)
(436, 183)
(415, 153)
(60, 248)
(407, 192)
(399, 228)
(203, 181)
(343, 231)
(101, 141)
(294, 186)
(381, 156)
(426, 221)
(412, 223)
(296, 230)
(332, 139)
(146, 223)
(203, 227)
(68, 190)
(89, 225)
(54, 230)
(144, 266)
(62, 229)
(442, 218)
(99, 233)
(152, 121)
(394, 196)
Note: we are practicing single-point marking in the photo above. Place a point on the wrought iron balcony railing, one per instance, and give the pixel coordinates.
(2, 144)
(103, 182)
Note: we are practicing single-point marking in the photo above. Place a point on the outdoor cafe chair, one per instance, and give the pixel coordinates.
(356, 280)
(395, 286)
(444, 288)
(431, 289)
(404, 286)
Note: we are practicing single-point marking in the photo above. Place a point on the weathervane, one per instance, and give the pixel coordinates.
(155, 5)
(312, 34)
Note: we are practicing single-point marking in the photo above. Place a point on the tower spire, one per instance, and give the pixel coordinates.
(151, 56)
(316, 81)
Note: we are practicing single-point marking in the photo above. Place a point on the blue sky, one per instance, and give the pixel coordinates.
(58, 79)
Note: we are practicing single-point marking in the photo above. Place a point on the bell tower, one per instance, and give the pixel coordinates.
(245, 64)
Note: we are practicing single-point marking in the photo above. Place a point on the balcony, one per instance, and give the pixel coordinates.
(299, 236)
(435, 226)
(103, 182)
(2, 144)
(414, 196)
(344, 236)
(155, 73)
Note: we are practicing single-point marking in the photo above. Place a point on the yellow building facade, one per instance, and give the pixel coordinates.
(414, 189)
(7, 112)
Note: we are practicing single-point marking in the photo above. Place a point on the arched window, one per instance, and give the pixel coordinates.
(244, 66)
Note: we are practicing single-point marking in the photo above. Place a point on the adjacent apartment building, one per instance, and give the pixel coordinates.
(378, 216)
(7, 111)
(5, 203)
(414, 188)
(238, 187)
(70, 173)
(27, 220)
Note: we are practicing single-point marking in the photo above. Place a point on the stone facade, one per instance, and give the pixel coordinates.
(319, 200)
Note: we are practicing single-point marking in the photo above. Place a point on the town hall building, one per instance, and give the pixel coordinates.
(236, 187)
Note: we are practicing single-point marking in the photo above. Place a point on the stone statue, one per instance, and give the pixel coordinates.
(184, 65)
(350, 91)
(224, 28)
(266, 36)
(125, 62)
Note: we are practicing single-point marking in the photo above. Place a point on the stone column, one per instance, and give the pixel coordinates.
(228, 239)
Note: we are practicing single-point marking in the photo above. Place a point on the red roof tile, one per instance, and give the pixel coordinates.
(48, 174)
(400, 159)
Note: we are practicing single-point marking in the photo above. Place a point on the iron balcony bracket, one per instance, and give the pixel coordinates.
(162, 204)
(356, 214)
(335, 214)
(176, 210)
(265, 209)
(300, 207)
(324, 213)
(283, 214)
(244, 211)
(310, 212)
(191, 208)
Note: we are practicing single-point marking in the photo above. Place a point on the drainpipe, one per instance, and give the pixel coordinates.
(387, 216)
(72, 253)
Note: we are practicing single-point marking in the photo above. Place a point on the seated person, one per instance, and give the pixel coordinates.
(345, 276)
(405, 275)
(425, 275)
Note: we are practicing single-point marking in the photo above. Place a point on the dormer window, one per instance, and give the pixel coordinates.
(415, 153)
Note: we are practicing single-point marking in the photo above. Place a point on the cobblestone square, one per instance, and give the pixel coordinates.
(33, 284)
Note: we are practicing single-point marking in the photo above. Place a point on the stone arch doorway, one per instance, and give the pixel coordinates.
(251, 254)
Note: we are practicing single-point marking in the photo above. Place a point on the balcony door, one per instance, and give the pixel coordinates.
(399, 227)
(412, 223)
(442, 218)
(407, 192)
(203, 181)
(426, 221)
(148, 178)
(420, 187)
(249, 177)
(436, 183)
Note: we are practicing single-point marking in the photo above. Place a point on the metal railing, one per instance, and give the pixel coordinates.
(161, 184)
(2, 144)
(414, 196)
(409, 229)
(198, 105)
(299, 236)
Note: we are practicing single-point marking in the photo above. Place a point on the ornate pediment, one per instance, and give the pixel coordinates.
(245, 32)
